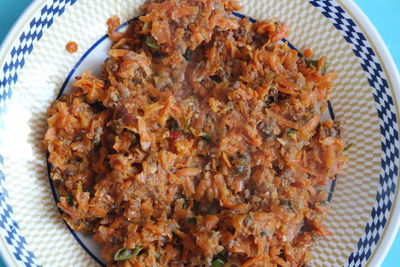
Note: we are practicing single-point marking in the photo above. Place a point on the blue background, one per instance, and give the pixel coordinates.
(384, 14)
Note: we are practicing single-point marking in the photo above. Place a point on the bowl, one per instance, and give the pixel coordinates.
(36, 69)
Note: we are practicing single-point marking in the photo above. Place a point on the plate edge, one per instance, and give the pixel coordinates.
(13, 34)
(392, 227)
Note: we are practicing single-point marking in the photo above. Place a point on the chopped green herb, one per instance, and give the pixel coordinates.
(290, 131)
(207, 138)
(286, 104)
(348, 147)
(145, 26)
(312, 62)
(217, 263)
(192, 220)
(223, 255)
(305, 119)
(70, 200)
(287, 203)
(185, 204)
(150, 42)
(263, 233)
(314, 236)
(324, 68)
(126, 253)
(187, 54)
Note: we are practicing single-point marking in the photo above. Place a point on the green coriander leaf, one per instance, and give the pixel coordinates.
(187, 54)
(348, 147)
(192, 220)
(263, 233)
(290, 131)
(207, 138)
(145, 26)
(150, 42)
(70, 200)
(126, 253)
(217, 263)
(312, 62)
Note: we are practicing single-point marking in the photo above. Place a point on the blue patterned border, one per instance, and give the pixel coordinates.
(388, 127)
(352, 34)
(8, 226)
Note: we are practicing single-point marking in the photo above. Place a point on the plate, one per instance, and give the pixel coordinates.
(35, 69)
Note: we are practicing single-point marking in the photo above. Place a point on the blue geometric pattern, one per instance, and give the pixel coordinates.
(352, 34)
(8, 226)
(388, 128)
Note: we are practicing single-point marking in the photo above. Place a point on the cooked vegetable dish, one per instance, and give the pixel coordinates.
(200, 144)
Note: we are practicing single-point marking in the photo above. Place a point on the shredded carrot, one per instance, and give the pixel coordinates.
(201, 144)
(283, 121)
(308, 53)
(71, 47)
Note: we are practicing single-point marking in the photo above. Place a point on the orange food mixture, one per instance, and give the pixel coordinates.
(201, 144)
(71, 47)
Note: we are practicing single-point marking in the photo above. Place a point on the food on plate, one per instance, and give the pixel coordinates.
(200, 144)
(71, 47)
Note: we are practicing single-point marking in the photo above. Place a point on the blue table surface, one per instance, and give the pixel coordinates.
(384, 15)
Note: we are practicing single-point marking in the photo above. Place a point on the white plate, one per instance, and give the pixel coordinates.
(364, 212)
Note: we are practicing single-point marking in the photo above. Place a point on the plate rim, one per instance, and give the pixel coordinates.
(16, 29)
(390, 69)
(392, 226)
